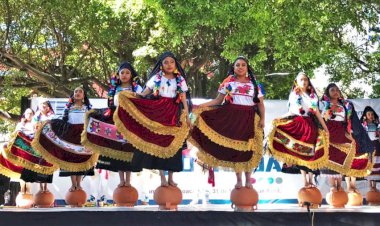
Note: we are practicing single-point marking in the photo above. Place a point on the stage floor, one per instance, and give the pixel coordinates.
(195, 215)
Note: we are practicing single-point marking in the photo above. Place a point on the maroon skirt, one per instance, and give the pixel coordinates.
(341, 148)
(361, 165)
(298, 140)
(9, 169)
(228, 136)
(59, 143)
(151, 126)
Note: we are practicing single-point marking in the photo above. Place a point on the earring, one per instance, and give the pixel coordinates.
(246, 75)
(176, 71)
(160, 67)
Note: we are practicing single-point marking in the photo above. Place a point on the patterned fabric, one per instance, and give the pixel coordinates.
(168, 87)
(242, 93)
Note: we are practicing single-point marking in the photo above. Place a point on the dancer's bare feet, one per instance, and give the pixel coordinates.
(72, 188)
(127, 184)
(239, 184)
(248, 184)
(79, 188)
(121, 184)
(172, 183)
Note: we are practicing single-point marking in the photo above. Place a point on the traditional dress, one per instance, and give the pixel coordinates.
(229, 135)
(30, 175)
(20, 152)
(58, 141)
(373, 131)
(342, 147)
(155, 126)
(102, 137)
(297, 139)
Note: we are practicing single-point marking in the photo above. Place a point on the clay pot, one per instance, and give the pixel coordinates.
(76, 198)
(244, 199)
(337, 199)
(168, 197)
(125, 196)
(43, 199)
(373, 198)
(310, 195)
(355, 199)
(24, 200)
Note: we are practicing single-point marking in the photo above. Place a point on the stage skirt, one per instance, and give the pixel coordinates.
(341, 150)
(151, 125)
(297, 140)
(375, 174)
(9, 169)
(228, 136)
(59, 142)
(102, 137)
(362, 164)
(65, 173)
(19, 151)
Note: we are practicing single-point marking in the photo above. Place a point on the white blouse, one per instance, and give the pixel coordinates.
(337, 110)
(76, 114)
(27, 128)
(307, 103)
(242, 92)
(119, 89)
(168, 87)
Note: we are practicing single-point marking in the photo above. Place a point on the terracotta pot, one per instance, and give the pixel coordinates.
(76, 198)
(373, 198)
(125, 196)
(337, 199)
(44, 199)
(355, 199)
(168, 197)
(310, 195)
(244, 199)
(24, 200)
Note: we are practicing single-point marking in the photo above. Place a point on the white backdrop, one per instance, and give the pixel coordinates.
(272, 185)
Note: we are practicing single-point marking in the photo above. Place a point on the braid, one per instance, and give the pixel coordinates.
(256, 88)
(67, 108)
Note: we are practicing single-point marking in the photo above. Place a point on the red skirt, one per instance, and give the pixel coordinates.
(101, 136)
(341, 148)
(228, 136)
(59, 142)
(9, 169)
(151, 125)
(299, 141)
(19, 151)
(361, 165)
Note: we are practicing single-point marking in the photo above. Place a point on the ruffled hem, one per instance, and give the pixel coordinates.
(69, 166)
(291, 159)
(214, 136)
(350, 151)
(4, 170)
(237, 166)
(20, 161)
(362, 172)
(179, 133)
